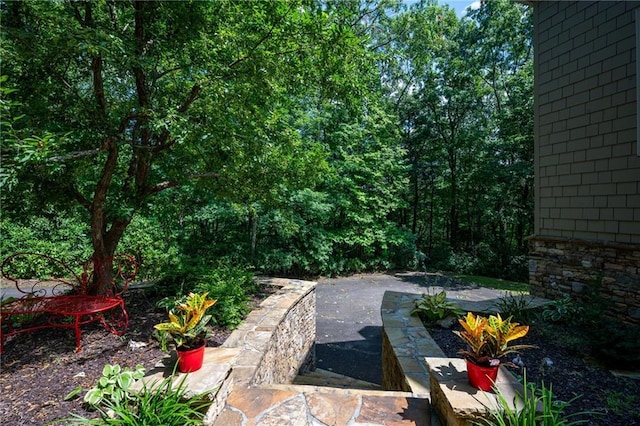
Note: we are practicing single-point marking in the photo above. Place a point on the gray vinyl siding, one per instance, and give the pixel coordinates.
(587, 167)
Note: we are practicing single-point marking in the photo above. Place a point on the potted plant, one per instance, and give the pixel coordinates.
(187, 327)
(488, 340)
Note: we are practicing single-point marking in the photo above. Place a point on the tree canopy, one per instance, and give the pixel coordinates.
(300, 137)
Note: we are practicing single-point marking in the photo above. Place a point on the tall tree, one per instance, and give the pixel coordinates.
(146, 96)
(462, 88)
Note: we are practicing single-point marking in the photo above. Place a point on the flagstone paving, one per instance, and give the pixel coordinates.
(297, 406)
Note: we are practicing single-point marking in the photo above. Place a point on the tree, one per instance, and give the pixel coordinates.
(463, 90)
(148, 96)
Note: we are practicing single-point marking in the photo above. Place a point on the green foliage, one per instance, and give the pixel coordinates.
(188, 320)
(114, 386)
(294, 146)
(623, 404)
(616, 344)
(517, 306)
(232, 287)
(562, 310)
(535, 406)
(161, 403)
(435, 307)
(61, 237)
(467, 132)
(153, 244)
(586, 327)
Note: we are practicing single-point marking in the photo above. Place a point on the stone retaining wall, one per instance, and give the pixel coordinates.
(277, 340)
(413, 362)
(405, 344)
(561, 268)
(291, 349)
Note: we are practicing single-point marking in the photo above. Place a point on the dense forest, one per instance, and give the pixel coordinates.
(295, 137)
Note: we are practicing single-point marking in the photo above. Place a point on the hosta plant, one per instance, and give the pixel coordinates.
(187, 325)
(114, 385)
(490, 338)
(436, 307)
(160, 403)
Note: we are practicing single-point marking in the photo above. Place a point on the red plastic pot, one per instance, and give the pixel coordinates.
(190, 360)
(481, 377)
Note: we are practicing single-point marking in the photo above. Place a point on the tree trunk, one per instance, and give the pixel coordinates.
(253, 226)
(416, 199)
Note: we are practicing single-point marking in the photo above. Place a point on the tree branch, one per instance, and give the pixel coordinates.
(75, 155)
(262, 39)
(173, 184)
(195, 90)
(98, 83)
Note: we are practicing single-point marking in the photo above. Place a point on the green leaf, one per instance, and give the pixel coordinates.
(74, 393)
(93, 397)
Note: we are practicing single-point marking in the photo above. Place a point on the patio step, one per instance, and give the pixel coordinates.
(303, 405)
(326, 378)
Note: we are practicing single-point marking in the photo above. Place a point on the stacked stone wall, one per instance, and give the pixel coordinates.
(292, 345)
(581, 270)
(393, 377)
(276, 340)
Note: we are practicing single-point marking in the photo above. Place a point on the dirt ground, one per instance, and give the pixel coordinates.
(39, 368)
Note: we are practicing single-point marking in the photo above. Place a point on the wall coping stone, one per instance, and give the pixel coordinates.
(456, 401)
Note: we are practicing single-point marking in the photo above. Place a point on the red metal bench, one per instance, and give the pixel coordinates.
(64, 298)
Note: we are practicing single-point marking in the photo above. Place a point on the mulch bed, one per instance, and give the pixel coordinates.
(614, 400)
(39, 368)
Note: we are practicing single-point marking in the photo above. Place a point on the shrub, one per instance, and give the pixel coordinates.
(616, 345)
(154, 248)
(160, 403)
(232, 287)
(517, 306)
(436, 307)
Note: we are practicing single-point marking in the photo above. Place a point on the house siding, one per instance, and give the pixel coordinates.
(587, 168)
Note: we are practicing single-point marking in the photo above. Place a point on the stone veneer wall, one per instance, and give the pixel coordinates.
(292, 346)
(393, 377)
(405, 344)
(277, 340)
(561, 267)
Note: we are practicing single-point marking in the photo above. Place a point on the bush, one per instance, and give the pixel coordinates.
(160, 403)
(231, 286)
(616, 345)
(517, 306)
(63, 238)
(154, 251)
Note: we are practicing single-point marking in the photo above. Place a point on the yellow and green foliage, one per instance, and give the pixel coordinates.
(187, 324)
(488, 339)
